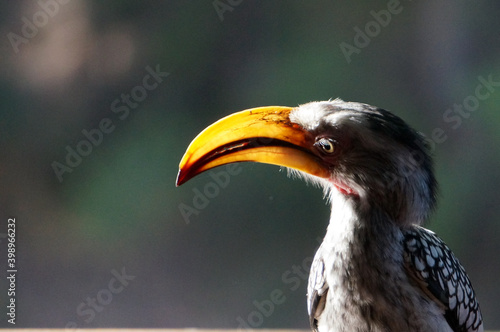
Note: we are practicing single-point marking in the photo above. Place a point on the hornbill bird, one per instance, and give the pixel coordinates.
(377, 268)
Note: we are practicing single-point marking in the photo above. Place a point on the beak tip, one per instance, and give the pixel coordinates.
(183, 176)
(179, 181)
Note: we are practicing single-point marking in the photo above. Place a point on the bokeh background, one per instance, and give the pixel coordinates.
(68, 65)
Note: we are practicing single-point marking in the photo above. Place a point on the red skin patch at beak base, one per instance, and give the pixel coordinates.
(343, 189)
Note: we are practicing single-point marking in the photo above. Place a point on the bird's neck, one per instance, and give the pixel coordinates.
(362, 242)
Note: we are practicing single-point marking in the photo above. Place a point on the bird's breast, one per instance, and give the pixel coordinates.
(368, 288)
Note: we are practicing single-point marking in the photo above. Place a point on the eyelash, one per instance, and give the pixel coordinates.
(326, 145)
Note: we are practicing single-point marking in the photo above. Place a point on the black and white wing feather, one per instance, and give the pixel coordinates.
(431, 263)
(317, 290)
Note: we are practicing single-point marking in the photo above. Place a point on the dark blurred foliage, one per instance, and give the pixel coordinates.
(119, 208)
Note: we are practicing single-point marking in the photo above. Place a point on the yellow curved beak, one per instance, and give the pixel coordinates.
(263, 134)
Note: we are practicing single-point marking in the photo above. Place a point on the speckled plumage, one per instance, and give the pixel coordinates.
(432, 264)
(377, 269)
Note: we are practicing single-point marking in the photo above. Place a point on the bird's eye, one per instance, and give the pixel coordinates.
(327, 145)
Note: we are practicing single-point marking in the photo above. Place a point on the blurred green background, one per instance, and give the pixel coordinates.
(69, 65)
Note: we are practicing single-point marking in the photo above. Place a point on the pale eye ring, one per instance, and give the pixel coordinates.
(327, 145)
